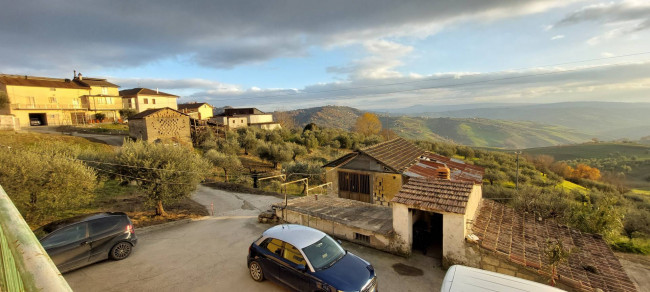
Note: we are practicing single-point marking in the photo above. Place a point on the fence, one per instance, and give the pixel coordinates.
(24, 264)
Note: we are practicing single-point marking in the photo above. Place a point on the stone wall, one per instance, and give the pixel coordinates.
(138, 129)
(164, 128)
(9, 123)
(342, 231)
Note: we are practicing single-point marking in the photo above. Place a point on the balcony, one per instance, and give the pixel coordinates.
(100, 107)
(47, 106)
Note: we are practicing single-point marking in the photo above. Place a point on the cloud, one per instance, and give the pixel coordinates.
(609, 12)
(59, 35)
(384, 57)
(557, 37)
(622, 82)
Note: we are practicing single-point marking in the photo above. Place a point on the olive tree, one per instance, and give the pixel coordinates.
(276, 153)
(227, 162)
(165, 173)
(45, 185)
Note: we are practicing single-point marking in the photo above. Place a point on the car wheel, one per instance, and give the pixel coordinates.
(121, 251)
(256, 271)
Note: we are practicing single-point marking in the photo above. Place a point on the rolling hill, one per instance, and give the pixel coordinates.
(604, 120)
(473, 132)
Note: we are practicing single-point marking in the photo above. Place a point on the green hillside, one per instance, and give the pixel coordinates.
(593, 150)
(472, 131)
(484, 132)
(630, 160)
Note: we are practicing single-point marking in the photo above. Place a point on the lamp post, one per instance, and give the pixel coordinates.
(517, 174)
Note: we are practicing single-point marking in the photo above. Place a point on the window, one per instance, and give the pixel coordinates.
(146, 101)
(293, 255)
(104, 90)
(52, 99)
(275, 246)
(104, 225)
(66, 236)
(52, 89)
(324, 253)
(109, 100)
(153, 101)
(354, 182)
(361, 237)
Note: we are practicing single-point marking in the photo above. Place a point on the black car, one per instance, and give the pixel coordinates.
(79, 241)
(306, 259)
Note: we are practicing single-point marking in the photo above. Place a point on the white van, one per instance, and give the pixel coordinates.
(462, 278)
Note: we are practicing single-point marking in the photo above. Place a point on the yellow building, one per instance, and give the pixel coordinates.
(54, 101)
(142, 99)
(197, 110)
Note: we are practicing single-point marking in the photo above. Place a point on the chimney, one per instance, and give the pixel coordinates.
(156, 90)
(80, 76)
(74, 74)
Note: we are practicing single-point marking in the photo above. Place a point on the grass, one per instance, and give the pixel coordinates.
(106, 128)
(10, 138)
(572, 186)
(641, 192)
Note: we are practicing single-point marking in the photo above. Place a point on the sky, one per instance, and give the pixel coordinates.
(369, 54)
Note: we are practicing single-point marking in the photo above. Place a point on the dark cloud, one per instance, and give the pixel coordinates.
(611, 12)
(59, 35)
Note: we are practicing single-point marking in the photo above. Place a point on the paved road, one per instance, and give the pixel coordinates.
(113, 140)
(210, 255)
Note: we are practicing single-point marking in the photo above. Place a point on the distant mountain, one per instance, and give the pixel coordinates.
(341, 117)
(473, 132)
(604, 120)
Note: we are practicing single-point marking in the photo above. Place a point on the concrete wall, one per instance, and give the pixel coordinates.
(259, 119)
(403, 227)
(9, 123)
(237, 122)
(205, 112)
(472, 204)
(269, 126)
(453, 238)
(342, 231)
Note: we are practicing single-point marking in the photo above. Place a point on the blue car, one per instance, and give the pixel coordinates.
(306, 259)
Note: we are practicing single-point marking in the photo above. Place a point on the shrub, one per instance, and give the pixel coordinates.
(127, 113)
(45, 185)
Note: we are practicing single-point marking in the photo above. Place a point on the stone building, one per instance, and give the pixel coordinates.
(163, 124)
(375, 174)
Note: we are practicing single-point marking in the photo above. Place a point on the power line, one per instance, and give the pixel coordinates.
(430, 79)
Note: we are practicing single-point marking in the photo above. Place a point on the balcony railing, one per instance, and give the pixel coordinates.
(46, 106)
(24, 264)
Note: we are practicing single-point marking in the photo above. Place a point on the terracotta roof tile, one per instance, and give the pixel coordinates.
(195, 105)
(151, 111)
(144, 91)
(397, 154)
(435, 194)
(39, 82)
(518, 237)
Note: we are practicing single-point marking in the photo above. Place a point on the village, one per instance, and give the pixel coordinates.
(411, 212)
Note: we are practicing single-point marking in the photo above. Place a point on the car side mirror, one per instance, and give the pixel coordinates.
(301, 268)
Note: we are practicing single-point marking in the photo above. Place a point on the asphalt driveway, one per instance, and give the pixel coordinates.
(210, 255)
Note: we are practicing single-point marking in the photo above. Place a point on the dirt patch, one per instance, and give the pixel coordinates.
(143, 215)
(406, 270)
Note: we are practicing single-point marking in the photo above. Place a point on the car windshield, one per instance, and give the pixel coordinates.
(324, 253)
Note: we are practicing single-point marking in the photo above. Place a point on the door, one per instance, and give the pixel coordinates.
(68, 248)
(270, 261)
(102, 232)
(292, 271)
(355, 186)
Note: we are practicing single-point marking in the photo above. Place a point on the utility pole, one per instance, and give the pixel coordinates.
(517, 175)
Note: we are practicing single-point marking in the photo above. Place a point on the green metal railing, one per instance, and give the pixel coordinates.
(24, 264)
